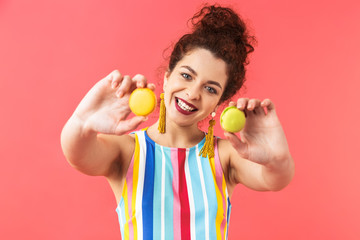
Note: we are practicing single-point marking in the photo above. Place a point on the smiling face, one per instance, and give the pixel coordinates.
(193, 89)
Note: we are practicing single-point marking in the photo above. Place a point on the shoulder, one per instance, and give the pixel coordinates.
(232, 164)
(224, 150)
(123, 147)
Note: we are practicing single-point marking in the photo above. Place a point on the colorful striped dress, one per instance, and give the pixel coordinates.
(173, 193)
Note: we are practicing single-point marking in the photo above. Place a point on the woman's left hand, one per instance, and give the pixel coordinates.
(262, 140)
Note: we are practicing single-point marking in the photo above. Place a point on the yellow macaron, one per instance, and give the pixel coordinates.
(142, 101)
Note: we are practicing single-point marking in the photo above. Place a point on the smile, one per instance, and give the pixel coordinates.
(185, 107)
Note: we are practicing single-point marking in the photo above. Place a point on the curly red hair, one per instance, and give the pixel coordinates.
(221, 31)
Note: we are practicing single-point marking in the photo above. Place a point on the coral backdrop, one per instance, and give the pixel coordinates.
(52, 52)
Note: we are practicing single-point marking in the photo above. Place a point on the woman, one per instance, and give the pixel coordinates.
(163, 186)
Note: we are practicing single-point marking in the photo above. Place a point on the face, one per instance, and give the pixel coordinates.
(193, 89)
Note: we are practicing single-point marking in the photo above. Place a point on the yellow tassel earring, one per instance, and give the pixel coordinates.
(208, 148)
(162, 115)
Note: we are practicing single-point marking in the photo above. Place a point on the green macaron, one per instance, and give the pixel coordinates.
(232, 119)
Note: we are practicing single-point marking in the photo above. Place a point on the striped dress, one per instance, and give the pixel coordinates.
(173, 193)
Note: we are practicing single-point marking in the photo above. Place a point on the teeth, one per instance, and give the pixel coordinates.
(184, 106)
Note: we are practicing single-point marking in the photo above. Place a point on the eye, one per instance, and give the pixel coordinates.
(186, 76)
(211, 90)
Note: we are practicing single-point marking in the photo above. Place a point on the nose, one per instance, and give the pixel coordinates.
(193, 92)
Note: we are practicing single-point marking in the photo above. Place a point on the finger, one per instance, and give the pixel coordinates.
(259, 110)
(124, 86)
(140, 80)
(268, 104)
(129, 124)
(237, 144)
(115, 77)
(242, 103)
(232, 103)
(252, 104)
(151, 86)
(110, 75)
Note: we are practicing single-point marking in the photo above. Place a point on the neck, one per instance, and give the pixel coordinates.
(176, 136)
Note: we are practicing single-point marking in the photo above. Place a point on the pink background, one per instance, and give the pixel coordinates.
(52, 52)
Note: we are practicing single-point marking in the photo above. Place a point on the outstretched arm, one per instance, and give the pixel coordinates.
(93, 139)
(260, 159)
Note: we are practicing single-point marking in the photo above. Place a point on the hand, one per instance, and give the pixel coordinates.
(105, 107)
(262, 139)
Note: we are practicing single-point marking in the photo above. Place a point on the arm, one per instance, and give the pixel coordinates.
(92, 153)
(91, 137)
(261, 159)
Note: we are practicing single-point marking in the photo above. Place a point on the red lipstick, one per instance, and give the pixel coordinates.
(185, 112)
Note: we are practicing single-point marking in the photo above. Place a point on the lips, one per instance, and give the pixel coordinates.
(184, 107)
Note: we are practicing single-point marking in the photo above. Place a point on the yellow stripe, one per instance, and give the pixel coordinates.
(126, 207)
(220, 210)
(226, 202)
(135, 182)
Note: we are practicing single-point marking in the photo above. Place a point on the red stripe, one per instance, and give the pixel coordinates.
(183, 194)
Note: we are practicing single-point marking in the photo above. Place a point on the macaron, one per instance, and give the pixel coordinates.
(142, 101)
(232, 119)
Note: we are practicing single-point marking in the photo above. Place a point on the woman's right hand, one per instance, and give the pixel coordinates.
(105, 107)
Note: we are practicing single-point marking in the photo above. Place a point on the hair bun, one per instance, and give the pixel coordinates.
(217, 19)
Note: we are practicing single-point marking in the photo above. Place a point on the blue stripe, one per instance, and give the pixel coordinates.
(197, 194)
(169, 196)
(228, 210)
(157, 193)
(121, 215)
(228, 217)
(148, 192)
(211, 196)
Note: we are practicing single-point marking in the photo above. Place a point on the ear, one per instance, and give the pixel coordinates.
(166, 77)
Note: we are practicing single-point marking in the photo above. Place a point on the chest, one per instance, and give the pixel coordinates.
(168, 190)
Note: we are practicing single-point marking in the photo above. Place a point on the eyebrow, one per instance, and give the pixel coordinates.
(195, 73)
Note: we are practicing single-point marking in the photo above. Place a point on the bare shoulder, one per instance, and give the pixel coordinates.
(224, 147)
(123, 147)
(225, 151)
(233, 165)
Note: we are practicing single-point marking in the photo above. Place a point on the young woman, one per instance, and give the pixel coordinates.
(164, 187)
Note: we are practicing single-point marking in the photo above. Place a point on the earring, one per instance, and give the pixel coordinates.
(162, 115)
(208, 148)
